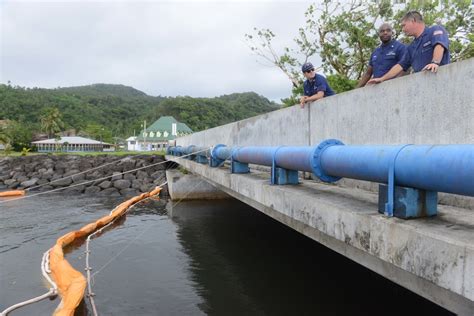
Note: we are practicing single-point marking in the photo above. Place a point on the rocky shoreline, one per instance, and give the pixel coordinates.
(103, 175)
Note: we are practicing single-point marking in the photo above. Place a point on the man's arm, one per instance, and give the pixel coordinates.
(437, 56)
(303, 100)
(389, 75)
(312, 98)
(440, 42)
(363, 80)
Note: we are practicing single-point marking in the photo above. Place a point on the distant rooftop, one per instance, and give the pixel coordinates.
(162, 130)
(71, 140)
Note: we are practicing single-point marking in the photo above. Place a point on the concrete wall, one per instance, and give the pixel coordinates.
(191, 187)
(288, 126)
(422, 108)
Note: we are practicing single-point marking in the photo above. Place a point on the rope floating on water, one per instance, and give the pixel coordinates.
(53, 291)
(88, 268)
(70, 283)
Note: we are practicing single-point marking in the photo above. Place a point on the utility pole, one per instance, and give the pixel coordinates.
(102, 145)
(144, 135)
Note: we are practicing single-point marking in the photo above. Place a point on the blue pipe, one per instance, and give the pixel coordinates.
(179, 151)
(441, 168)
(293, 158)
(171, 150)
(221, 152)
(196, 150)
(188, 150)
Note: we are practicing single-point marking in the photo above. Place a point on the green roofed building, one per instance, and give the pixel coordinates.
(157, 135)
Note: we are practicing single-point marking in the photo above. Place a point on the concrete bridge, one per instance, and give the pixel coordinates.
(433, 257)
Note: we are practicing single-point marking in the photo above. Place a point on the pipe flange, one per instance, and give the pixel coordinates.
(214, 150)
(316, 163)
(189, 150)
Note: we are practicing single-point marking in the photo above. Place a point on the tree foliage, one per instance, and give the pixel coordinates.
(344, 34)
(4, 137)
(15, 135)
(98, 132)
(51, 121)
(111, 111)
(457, 16)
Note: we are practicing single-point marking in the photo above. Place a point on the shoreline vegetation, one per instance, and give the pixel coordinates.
(111, 113)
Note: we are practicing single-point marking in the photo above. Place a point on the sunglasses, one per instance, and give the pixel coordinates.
(308, 71)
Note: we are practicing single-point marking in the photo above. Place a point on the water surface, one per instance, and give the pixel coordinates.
(190, 258)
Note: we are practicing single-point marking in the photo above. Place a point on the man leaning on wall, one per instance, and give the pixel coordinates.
(385, 56)
(315, 86)
(428, 51)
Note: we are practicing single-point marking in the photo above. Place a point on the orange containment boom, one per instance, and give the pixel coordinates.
(71, 283)
(12, 193)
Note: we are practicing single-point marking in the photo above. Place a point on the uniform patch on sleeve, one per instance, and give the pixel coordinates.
(438, 32)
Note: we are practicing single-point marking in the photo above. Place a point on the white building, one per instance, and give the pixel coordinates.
(158, 134)
(72, 144)
(132, 144)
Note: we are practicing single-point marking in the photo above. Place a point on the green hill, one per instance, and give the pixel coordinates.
(102, 89)
(118, 110)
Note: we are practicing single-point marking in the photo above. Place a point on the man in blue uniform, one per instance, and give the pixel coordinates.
(428, 51)
(384, 57)
(315, 86)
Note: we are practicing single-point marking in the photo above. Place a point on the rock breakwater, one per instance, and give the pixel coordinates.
(104, 174)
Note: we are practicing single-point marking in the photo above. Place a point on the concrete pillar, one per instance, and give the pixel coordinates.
(191, 187)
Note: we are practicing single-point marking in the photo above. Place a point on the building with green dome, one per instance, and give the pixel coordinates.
(157, 135)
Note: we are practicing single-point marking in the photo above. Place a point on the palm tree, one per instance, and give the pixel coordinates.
(51, 121)
(4, 136)
(5, 140)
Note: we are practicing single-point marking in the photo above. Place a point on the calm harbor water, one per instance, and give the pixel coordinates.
(190, 258)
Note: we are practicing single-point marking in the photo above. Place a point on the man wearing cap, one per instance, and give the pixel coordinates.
(384, 57)
(315, 86)
(428, 51)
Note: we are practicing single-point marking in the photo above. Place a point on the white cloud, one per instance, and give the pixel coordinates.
(162, 48)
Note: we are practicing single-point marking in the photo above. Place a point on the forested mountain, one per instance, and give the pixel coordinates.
(118, 110)
(102, 90)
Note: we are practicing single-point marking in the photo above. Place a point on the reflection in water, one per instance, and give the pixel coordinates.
(193, 258)
(244, 262)
(79, 242)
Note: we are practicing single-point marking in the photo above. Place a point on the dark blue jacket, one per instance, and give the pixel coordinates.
(316, 84)
(386, 56)
(420, 51)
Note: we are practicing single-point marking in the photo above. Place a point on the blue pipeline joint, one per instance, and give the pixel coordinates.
(174, 150)
(198, 154)
(179, 151)
(412, 174)
(316, 166)
(219, 154)
(393, 200)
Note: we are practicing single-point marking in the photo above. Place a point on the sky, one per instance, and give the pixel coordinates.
(167, 48)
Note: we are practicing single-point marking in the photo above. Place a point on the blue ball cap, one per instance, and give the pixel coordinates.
(306, 67)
